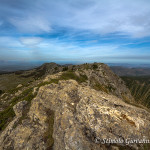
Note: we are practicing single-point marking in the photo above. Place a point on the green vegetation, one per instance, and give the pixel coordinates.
(146, 146)
(11, 81)
(1, 92)
(110, 88)
(48, 82)
(65, 68)
(66, 76)
(125, 98)
(71, 75)
(25, 95)
(95, 66)
(104, 88)
(140, 89)
(100, 87)
(8, 114)
(86, 66)
(14, 90)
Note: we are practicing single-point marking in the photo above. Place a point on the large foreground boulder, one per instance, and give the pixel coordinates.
(68, 116)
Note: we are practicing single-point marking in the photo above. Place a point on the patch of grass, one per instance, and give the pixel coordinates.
(25, 95)
(14, 90)
(95, 66)
(126, 100)
(139, 88)
(11, 81)
(100, 87)
(66, 76)
(95, 84)
(110, 88)
(48, 82)
(27, 92)
(86, 66)
(28, 96)
(146, 146)
(8, 114)
(71, 75)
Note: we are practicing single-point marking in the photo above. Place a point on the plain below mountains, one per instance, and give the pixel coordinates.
(126, 71)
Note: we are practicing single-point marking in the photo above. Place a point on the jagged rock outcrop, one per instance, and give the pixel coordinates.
(100, 77)
(69, 116)
(19, 108)
(43, 70)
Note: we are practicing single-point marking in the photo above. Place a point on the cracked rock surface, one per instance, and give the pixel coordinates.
(69, 116)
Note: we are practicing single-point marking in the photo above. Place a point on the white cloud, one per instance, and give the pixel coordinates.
(7, 41)
(35, 48)
(103, 17)
(30, 41)
(31, 24)
(128, 17)
(71, 50)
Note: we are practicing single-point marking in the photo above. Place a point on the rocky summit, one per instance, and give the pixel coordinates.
(82, 107)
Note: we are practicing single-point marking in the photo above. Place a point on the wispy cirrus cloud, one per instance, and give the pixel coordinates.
(42, 49)
(31, 24)
(75, 29)
(102, 17)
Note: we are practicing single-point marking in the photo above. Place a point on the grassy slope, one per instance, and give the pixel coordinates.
(10, 81)
(140, 88)
(7, 114)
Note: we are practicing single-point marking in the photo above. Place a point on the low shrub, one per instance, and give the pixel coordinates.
(95, 66)
(8, 114)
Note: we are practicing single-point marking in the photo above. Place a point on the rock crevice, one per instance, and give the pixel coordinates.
(67, 116)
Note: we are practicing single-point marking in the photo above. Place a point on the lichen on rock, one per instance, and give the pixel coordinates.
(70, 116)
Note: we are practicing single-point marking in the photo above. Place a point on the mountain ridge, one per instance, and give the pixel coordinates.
(71, 107)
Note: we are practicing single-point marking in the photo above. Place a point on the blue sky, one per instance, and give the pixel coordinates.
(74, 30)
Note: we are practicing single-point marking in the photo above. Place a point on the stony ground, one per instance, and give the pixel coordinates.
(66, 111)
(70, 116)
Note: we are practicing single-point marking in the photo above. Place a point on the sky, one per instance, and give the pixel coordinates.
(116, 31)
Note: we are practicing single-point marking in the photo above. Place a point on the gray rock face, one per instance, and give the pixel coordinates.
(18, 108)
(69, 116)
(100, 77)
(19, 85)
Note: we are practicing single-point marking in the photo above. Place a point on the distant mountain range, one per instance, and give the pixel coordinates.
(118, 68)
(124, 71)
(126, 65)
